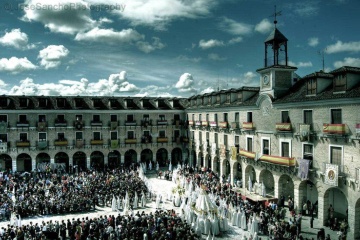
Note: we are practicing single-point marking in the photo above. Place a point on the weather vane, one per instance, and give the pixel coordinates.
(275, 15)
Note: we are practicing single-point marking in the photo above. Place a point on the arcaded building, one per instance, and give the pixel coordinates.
(298, 136)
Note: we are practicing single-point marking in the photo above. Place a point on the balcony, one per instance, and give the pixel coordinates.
(248, 126)
(78, 124)
(96, 123)
(283, 127)
(184, 139)
(204, 123)
(41, 126)
(162, 139)
(146, 122)
(114, 143)
(61, 142)
(197, 123)
(191, 123)
(338, 129)
(284, 161)
(162, 122)
(177, 123)
(41, 145)
(113, 125)
(176, 140)
(130, 141)
(247, 154)
(223, 124)
(79, 143)
(23, 143)
(3, 127)
(3, 147)
(130, 123)
(213, 124)
(60, 123)
(234, 125)
(146, 139)
(96, 142)
(22, 124)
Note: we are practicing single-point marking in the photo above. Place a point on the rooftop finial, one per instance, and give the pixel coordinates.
(275, 15)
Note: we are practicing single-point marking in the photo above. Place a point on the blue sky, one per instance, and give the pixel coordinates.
(170, 48)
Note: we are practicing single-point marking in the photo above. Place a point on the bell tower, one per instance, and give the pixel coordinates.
(276, 75)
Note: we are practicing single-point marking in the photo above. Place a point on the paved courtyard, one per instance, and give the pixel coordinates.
(164, 187)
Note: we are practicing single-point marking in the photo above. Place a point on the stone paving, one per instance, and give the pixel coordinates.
(164, 187)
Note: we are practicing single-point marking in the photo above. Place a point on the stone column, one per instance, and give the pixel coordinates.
(298, 196)
(52, 160)
(276, 186)
(88, 162)
(322, 213)
(353, 222)
(106, 160)
(232, 172)
(13, 164)
(122, 159)
(33, 163)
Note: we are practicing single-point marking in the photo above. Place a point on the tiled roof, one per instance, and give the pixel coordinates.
(276, 35)
(346, 69)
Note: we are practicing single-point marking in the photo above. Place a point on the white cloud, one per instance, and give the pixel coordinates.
(186, 58)
(233, 27)
(210, 43)
(216, 57)
(157, 91)
(185, 83)
(147, 47)
(17, 39)
(128, 87)
(313, 42)
(159, 13)
(63, 16)
(207, 90)
(300, 64)
(16, 65)
(349, 61)
(305, 8)
(249, 77)
(339, 46)
(264, 26)
(109, 36)
(52, 56)
(235, 40)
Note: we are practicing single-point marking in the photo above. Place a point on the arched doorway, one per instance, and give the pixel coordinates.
(147, 157)
(307, 191)
(186, 156)
(130, 158)
(62, 160)
(216, 165)
(5, 162)
(286, 186)
(237, 174)
(97, 160)
(335, 197)
(267, 178)
(23, 163)
(208, 161)
(114, 159)
(226, 169)
(42, 161)
(79, 161)
(176, 156)
(201, 160)
(193, 162)
(161, 157)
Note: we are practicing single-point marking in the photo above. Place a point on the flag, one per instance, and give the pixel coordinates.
(303, 171)
(331, 174)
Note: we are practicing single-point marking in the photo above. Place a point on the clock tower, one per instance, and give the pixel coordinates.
(276, 77)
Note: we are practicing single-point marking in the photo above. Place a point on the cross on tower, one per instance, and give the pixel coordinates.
(275, 15)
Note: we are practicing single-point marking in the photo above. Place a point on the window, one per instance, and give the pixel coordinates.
(336, 116)
(285, 149)
(97, 135)
(78, 117)
(249, 117)
(237, 117)
(60, 102)
(129, 117)
(176, 134)
(79, 135)
(336, 155)
(239, 96)
(23, 102)
(61, 136)
(146, 117)
(61, 118)
(23, 137)
(308, 152)
(200, 117)
(146, 133)
(3, 118)
(226, 141)
(266, 146)
(162, 133)
(237, 142)
(215, 117)
(162, 117)
(249, 144)
(207, 117)
(22, 118)
(42, 136)
(225, 117)
(43, 103)
(42, 118)
(308, 117)
(176, 117)
(113, 118)
(96, 118)
(113, 135)
(311, 87)
(3, 138)
(130, 135)
(285, 117)
(340, 83)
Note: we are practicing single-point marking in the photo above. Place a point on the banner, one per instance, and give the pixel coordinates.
(222, 151)
(213, 149)
(331, 174)
(304, 166)
(304, 132)
(233, 153)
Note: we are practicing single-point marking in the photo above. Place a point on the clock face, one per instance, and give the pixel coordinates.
(266, 79)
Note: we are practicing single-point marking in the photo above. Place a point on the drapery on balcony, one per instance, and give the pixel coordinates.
(114, 143)
(357, 128)
(59, 123)
(130, 123)
(247, 154)
(334, 128)
(213, 124)
(3, 127)
(234, 125)
(41, 126)
(283, 127)
(284, 161)
(223, 124)
(204, 123)
(78, 124)
(162, 139)
(25, 143)
(3, 147)
(191, 123)
(162, 122)
(22, 124)
(184, 139)
(248, 125)
(62, 142)
(96, 142)
(197, 123)
(79, 143)
(42, 144)
(113, 125)
(130, 140)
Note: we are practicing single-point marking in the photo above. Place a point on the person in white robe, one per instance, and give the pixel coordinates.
(234, 218)
(170, 166)
(249, 223)
(215, 228)
(207, 226)
(254, 225)
(118, 203)
(143, 200)
(177, 200)
(113, 204)
(238, 219)
(150, 165)
(263, 190)
(243, 221)
(136, 200)
(157, 201)
(250, 185)
(157, 166)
